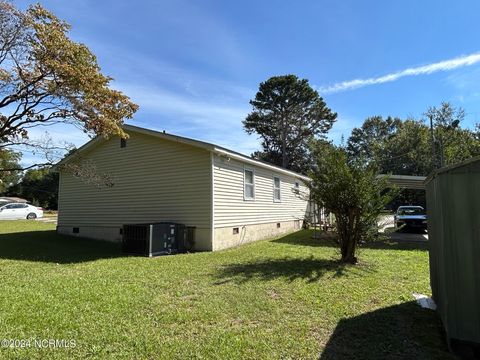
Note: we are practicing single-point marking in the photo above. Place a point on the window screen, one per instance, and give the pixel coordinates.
(249, 191)
(276, 189)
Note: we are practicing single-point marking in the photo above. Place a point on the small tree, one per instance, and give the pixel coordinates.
(287, 114)
(352, 192)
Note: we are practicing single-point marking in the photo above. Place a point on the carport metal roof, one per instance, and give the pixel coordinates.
(406, 181)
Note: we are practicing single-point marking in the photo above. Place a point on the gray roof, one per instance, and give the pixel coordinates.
(196, 143)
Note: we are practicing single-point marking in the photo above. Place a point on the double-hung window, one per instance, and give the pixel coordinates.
(277, 197)
(249, 184)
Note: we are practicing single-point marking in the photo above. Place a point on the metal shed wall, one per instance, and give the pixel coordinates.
(453, 199)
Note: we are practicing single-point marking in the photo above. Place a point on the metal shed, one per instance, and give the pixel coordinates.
(453, 201)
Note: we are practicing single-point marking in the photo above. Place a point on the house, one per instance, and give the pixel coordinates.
(228, 197)
(11, 199)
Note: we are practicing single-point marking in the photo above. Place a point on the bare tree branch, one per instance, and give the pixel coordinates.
(46, 79)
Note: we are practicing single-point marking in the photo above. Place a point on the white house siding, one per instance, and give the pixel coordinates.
(154, 180)
(258, 218)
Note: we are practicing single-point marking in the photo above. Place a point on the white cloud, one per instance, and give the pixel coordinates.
(211, 118)
(214, 115)
(159, 100)
(445, 65)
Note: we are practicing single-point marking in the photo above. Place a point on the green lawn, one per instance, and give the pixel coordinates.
(280, 299)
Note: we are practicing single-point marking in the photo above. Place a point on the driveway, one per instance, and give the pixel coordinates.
(387, 225)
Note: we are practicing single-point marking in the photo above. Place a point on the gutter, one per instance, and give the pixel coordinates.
(244, 159)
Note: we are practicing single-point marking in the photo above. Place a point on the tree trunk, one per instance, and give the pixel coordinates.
(347, 231)
(349, 255)
(284, 143)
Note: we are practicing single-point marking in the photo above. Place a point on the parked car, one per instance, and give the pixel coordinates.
(15, 211)
(411, 217)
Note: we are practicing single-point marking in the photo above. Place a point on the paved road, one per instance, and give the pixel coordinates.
(387, 225)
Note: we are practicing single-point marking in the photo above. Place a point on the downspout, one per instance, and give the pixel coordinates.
(212, 212)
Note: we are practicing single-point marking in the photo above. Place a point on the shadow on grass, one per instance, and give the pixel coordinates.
(305, 238)
(309, 269)
(48, 246)
(404, 331)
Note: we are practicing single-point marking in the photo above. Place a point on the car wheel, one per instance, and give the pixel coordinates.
(31, 216)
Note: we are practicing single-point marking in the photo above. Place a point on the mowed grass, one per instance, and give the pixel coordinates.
(286, 298)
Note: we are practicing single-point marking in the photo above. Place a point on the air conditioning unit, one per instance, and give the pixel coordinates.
(157, 238)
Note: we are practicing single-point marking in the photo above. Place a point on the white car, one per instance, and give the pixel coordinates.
(15, 211)
(411, 217)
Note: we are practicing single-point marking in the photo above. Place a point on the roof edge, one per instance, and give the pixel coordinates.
(448, 168)
(234, 155)
(187, 141)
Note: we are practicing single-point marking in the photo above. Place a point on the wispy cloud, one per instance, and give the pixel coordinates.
(212, 118)
(445, 65)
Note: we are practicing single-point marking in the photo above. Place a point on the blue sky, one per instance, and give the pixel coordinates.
(192, 66)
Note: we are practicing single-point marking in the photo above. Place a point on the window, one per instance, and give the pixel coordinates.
(249, 185)
(413, 210)
(123, 142)
(276, 189)
(278, 225)
(76, 230)
(236, 231)
(16, 206)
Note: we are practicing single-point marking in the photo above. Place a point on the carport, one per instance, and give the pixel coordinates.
(406, 181)
(386, 222)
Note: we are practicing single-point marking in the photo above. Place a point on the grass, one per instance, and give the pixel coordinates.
(285, 298)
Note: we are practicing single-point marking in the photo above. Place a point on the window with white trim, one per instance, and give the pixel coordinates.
(249, 184)
(276, 189)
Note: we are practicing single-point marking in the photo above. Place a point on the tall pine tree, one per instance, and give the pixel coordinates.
(287, 114)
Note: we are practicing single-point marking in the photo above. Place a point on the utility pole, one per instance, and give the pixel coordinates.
(432, 135)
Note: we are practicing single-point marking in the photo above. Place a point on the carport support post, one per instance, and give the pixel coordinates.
(314, 221)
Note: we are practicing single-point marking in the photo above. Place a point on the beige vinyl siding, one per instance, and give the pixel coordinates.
(231, 209)
(154, 180)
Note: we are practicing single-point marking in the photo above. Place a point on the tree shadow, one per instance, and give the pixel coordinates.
(309, 269)
(404, 331)
(48, 246)
(328, 239)
(394, 244)
(306, 238)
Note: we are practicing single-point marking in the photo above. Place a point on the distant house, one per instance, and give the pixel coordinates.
(11, 199)
(230, 198)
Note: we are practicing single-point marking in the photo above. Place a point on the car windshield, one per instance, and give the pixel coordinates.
(411, 211)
